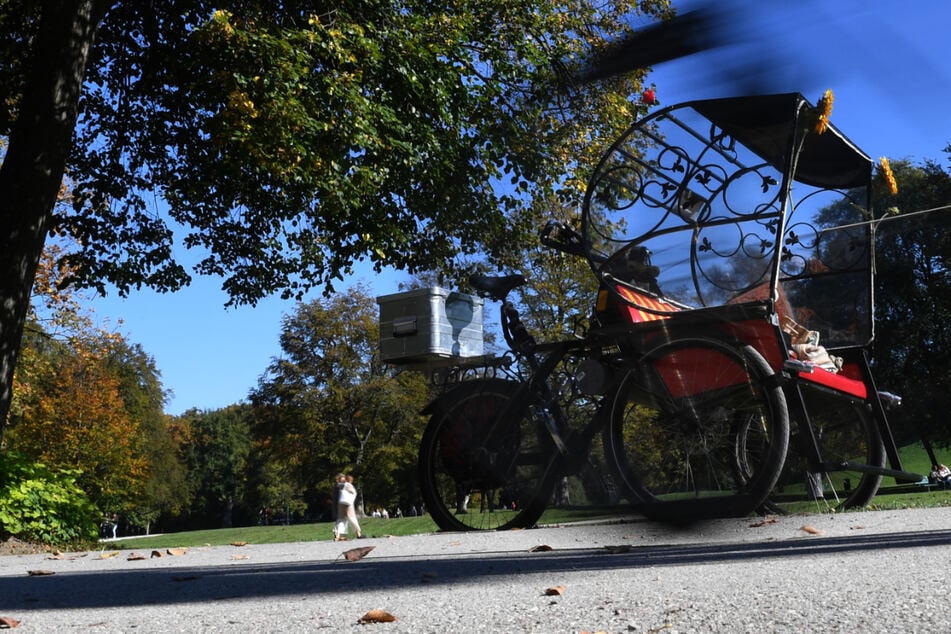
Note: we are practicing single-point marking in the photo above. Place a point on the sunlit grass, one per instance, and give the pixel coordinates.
(914, 458)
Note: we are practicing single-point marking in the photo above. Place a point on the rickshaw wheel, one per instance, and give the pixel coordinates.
(483, 459)
(847, 433)
(673, 438)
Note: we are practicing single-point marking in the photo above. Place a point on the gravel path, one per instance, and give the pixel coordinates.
(855, 572)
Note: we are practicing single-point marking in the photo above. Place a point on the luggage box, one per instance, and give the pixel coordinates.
(428, 325)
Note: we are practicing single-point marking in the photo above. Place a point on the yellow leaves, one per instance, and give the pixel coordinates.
(240, 103)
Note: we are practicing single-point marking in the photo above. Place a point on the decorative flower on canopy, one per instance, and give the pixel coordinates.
(885, 169)
(825, 111)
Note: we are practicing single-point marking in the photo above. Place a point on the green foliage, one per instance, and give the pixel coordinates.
(913, 300)
(42, 504)
(214, 447)
(328, 405)
(294, 139)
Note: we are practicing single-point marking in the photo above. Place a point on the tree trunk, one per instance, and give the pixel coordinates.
(32, 170)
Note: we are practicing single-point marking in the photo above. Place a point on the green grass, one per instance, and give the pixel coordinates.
(914, 458)
(373, 527)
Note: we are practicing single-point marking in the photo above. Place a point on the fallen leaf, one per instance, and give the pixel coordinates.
(356, 554)
(236, 557)
(109, 555)
(157, 553)
(810, 530)
(541, 548)
(763, 522)
(135, 557)
(239, 544)
(7, 623)
(557, 591)
(40, 573)
(856, 528)
(377, 616)
(177, 552)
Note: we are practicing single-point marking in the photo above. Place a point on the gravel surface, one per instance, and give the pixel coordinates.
(878, 571)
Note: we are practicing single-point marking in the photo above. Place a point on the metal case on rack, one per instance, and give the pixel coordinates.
(429, 325)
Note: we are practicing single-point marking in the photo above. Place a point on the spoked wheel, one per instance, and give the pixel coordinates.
(847, 436)
(483, 459)
(686, 418)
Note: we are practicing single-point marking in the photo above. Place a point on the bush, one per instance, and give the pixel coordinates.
(43, 505)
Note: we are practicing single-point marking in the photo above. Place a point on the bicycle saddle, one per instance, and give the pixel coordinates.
(496, 287)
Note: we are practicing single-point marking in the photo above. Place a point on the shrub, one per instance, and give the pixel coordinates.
(43, 505)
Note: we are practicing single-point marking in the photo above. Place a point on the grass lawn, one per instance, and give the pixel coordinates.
(914, 458)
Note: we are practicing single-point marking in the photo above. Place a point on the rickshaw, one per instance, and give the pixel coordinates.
(725, 364)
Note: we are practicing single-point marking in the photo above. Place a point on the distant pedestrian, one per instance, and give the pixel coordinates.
(346, 495)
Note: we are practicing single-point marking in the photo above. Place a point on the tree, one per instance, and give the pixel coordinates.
(87, 399)
(913, 300)
(72, 416)
(215, 446)
(328, 404)
(290, 140)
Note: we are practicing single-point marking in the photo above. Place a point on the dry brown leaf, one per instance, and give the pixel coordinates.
(135, 557)
(177, 552)
(239, 544)
(237, 557)
(40, 573)
(810, 530)
(356, 554)
(109, 555)
(541, 548)
(856, 528)
(7, 623)
(377, 616)
(157, 553)
(764, 522)
(557, 591)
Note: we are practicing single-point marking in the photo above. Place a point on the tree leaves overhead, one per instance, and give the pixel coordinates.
(294, 140)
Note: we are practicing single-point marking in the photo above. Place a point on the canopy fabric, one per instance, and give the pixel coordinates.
(766, 124)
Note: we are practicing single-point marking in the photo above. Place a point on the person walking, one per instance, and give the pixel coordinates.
(346, 495)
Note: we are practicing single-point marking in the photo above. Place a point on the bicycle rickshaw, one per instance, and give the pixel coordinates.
(725, 363)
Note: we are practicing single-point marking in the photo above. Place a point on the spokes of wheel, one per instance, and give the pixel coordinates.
(684, 421)
(483, 461)
(849, 443)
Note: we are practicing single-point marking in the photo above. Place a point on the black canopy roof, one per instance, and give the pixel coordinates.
(766, 124)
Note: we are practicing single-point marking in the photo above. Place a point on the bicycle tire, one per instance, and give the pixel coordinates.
(484, 460)
(847, 434)
(672, 436)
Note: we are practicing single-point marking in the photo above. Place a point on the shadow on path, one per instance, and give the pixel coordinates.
(126, 588)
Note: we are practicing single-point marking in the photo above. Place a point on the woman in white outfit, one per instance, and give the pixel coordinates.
(346, 497)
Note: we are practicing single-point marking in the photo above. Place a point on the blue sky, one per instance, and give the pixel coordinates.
(885, 61)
